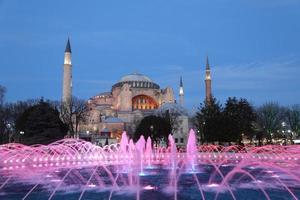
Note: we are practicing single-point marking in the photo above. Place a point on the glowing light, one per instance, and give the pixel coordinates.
(213, 185)
(275, 176)
(55, 180)
(149, 187)
(92, 185)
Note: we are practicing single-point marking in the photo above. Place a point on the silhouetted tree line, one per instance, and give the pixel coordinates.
(43, 121)
(238, 119)
(38, 121)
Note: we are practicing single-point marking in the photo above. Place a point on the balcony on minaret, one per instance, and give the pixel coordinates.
(207, 75)
(181, 91)
(67, 58)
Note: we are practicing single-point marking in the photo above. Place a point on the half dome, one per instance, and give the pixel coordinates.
(172, 108)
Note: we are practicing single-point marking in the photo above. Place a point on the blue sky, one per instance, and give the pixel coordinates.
(253, 47)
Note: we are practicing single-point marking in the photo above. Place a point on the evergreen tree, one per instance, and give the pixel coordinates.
(209, 121)
(156, 127)
(239, 117)
(40, 124)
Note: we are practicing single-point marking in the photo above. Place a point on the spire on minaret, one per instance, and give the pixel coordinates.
(181, 92)
(207, 63)
(68, 47)
(181, 84)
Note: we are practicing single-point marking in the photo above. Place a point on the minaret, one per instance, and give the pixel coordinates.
(208, 94)
(181, 92)
(67, 79)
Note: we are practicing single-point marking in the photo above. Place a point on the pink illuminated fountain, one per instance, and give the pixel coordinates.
(191, 151)
(75, 169)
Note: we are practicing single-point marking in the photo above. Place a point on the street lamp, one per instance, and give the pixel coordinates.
(291, 135)
(151, 128)
(9, 128)
(21, 133)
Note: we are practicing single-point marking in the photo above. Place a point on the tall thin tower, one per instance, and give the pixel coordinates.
(181, 93)
(67, 79)
(208, 94)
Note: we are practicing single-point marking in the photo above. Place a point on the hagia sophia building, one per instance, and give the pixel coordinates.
(132, 98)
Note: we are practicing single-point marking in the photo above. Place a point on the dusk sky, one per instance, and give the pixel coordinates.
(253, 47)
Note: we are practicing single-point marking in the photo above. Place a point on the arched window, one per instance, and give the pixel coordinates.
(143, 102)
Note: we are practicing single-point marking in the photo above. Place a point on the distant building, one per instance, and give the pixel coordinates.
(132, 98)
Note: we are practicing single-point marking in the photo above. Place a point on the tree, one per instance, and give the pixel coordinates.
(3, 117)
(171, 112)
(75, 114)
(40, 124)
(239, 117)
(4, 129)
(293, 118)
(156, 127)
(79, 108)
(208, 121)
(9, 115)
(269, 118)
(2, 94)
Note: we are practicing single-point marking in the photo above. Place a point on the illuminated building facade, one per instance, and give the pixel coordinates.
(132, 98)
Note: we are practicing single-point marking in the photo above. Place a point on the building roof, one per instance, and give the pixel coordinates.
(102, 94)
(112, 120)
(135, 77)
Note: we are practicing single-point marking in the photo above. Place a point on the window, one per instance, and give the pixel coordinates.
(176, 140)
(143, 102)
(181, 140)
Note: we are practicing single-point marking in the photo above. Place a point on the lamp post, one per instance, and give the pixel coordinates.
(283, 124)
(151, 127)
(21, 134)
(151, 130)
(290, 135)
(9, 128)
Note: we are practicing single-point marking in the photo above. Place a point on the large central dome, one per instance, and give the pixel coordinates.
(135, 77)
(136, 80)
